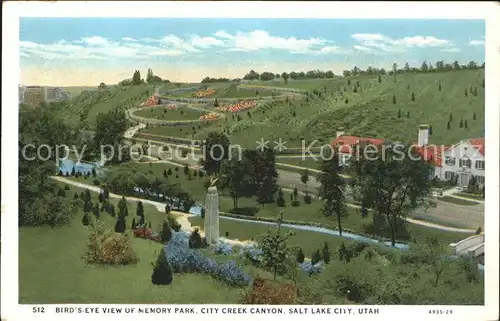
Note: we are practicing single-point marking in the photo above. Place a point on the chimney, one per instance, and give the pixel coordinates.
(423, 135)
(340, 131)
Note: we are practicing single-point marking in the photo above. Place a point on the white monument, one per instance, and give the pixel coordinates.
(212, 213)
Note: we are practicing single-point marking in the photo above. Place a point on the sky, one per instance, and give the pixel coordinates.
(87, 51)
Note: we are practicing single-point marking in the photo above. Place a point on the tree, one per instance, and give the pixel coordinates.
(120, 224)
(439, 88)
(331, 189)
(162, 271)
(346, 100)
(300, 256)
(408, 115)
(316, 257)
(216, 103)
(430, 130)
(466, 92)
(295, 193)
(304, 176)
(465, 124)
(326, 253)
(86, 219)
(399, 113)
(134, 224)
(280, 200)
(140, 209)
(102, 86)
(122, 207)
(275, 251)
(450, 119)
(236, 176)
(379, 79)
(461, 125)
(448, 126)
(433, 253)
(482, 83)
(412, 96)
(215, 149)
(474, 116)
(394, 99)
(195, 241)
(389, 185)
(186, 169)
(167, 209)
(424, 67)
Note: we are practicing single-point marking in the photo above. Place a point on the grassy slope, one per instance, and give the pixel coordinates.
(370, 112)
(51, 270)
(170, 114)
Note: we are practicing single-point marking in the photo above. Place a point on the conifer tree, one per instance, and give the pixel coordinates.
(316, 257)
(300, 256)
(326, 253)
(162, 271)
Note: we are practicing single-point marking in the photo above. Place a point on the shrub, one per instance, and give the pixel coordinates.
(61, 193)
(86, 219)
(326, 254)
(120, 224)
(96, 182)
(280, 201)
(296, 203)
(195, 241)
(174, 225)
(300, 256)
(66, 186)
(271, 293)
(162, 271)
(253, 253)
(307, 198)
(230, 274)
(166, 232)
(316, 257)
(223, 248)
(107, 248)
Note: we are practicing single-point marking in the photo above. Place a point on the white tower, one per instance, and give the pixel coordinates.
(423, 135)
(212, 215)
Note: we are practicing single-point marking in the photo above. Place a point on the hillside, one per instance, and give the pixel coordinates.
(368, 110)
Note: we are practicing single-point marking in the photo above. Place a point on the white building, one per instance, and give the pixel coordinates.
(463, 160)
(65, 95)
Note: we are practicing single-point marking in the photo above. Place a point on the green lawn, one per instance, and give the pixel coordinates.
(308, 162)
(163, 113)
(471, 196)
(458, 201)
(51, 270)
(304, 212)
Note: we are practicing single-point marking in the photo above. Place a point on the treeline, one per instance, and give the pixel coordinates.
(439, 66)
(311, 74)
(151, 78)
(208, 80)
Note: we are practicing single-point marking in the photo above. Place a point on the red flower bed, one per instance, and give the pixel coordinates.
(241, 106)
(271, 292)
(147, 233)
(152, 101)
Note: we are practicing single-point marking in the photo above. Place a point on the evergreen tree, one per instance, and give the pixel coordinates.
(461, 123)
(166, 232)
(474, 117)
(134, 224)
(440, 88)
(399, 113)
(316, 257)
(149, 225)
(100, 197)
(162, 271)
(379, 79)
(76, 196)
(466, 94)
(122, 207)
(465, 124)
(140, 209)
(86, 196)
(95, 211)
(280, 201)
(348, 82)
(94, 174)
(105, 193)
(167, 209)
(73, 172)
(394, 99)
(346, 100)
(300, 256)
(295, 193)
(448, 126)
(482, 84)
(408, 115)
(326, 253)
(165, 173)
(86, 219)
(195, 241)
(430, 130)
(304, 176)
(412, 96)
(121, 224)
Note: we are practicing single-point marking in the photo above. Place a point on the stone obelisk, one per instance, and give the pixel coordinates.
(212, 214)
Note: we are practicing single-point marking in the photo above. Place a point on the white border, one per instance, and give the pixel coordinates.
(380, 10)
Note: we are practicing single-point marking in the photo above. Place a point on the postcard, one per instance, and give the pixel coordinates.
(197, 160)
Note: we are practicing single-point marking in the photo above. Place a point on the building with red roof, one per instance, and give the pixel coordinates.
(462, 160)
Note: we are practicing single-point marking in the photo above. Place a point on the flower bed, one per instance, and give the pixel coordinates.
(204, 93)
(222, 248)
(241, 106)
(152, 101)
(185, 260)
(210, 116)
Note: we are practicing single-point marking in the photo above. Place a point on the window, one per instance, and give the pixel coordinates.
(480, 165)
(449, 175)
(480, 179)
(450, 161)
(465, 162)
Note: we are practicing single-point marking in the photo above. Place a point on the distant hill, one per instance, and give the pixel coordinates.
(369, 109)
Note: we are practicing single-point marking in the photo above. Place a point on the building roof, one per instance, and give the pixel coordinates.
(348, 142)
(478, 143)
